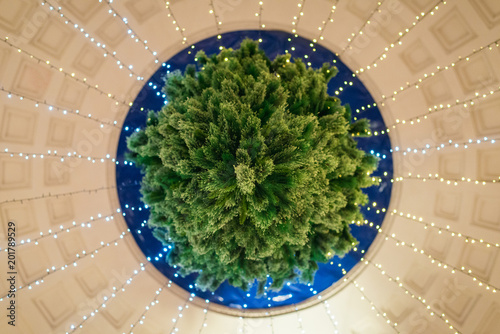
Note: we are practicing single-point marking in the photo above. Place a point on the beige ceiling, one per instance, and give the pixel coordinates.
(433, 70)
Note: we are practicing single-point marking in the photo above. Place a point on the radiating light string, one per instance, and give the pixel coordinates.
(102, 46)
(53, 269)
(299, 319)
(153, 302)
(52, 232)
(66, 74)
(466, 103)
(360, 30)
(133, 34)
(436, 177)
(176, 23)
(439, 263)
(296, 19)
(52, 107)
(326, 306)
(62, 157)
(401, 34)
(179, 316)
(107, 299)
(259, 15)
(448, 144)
(466, 238)
(329, 19)
(217, 20)
(204, 323)
(418, 19)
(440, 69)
(373, 306)
(49, 195)
(421, 300)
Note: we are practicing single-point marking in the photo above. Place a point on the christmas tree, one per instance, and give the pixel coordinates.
(251, 170)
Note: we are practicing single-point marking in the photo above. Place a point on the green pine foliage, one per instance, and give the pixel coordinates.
(251, 169)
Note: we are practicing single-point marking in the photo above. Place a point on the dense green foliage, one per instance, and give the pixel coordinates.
(251, 169)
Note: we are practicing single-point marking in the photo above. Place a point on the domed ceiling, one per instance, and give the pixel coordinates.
(69, 72)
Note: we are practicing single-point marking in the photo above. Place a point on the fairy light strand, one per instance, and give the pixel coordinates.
(49, 195)
(217, 20)
(51, 232)
(102, 46)
(326, 306)
(299, 319)
(176, 23)
(52, 107)
(62, 157)
(133, 34)
(360, 30)
(271, 324)
(421, 300)
(440, 69)
(329, 19)
(259, 15)
(178, 317)
(466, 103)
(374, 307)
(426, 225)
(107, 299)
(153, 302)
(436, 177)
(204, 324)
(439, 263)
(419, 18)
(66, 74)
(51, 271)
(296, 19)
(448, 144)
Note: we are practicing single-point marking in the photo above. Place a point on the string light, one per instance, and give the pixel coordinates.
(179, 315)
(67, 229)
(259, 15)
(64, 111)
(329, 19)
(133, 35)
(107, 52)
(466, 238)
(176, 23)
(299, 319)
(466, 103)
(153, 302)
(271, 324)
(204, 324)
(374, 307)
(401, 34)
(331, 317)
(53, 269)
(449, 144)
(439, 263)
(107, 299)
(440, 69)
(218, 22)
(422, 301)
(360, 31)
(436, 177)
(49, 195)
(72, 76)
(296, 19)
(62, 157)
